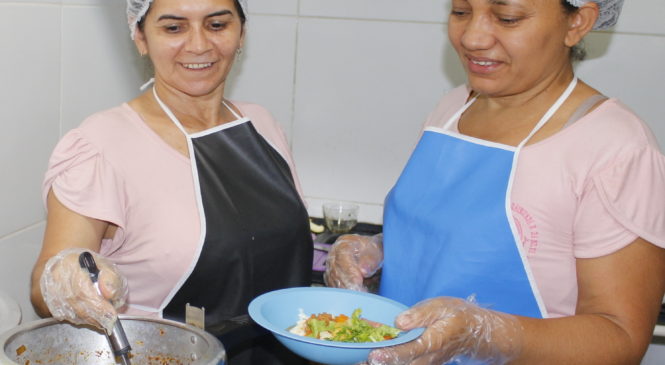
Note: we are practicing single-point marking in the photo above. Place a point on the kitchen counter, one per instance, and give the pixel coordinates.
(659, 331)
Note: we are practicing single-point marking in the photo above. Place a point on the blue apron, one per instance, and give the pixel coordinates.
(448, 227)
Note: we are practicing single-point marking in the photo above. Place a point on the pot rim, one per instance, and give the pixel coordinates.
(217, 355)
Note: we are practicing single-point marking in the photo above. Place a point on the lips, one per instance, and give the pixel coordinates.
(197, 66)
(482, 65)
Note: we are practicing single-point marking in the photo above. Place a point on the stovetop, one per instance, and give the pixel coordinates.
(360, 228)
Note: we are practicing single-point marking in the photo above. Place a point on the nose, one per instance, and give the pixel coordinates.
(478, 33)
(197, 41)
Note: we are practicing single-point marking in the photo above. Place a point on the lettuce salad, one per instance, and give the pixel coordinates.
(342, 328)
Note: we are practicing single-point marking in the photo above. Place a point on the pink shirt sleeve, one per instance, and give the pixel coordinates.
(623, 202)
(83, 181)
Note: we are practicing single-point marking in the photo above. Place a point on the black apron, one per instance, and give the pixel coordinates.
(255, 237)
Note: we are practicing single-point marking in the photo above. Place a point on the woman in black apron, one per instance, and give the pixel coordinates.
(253, 232)
(450, 245)
(257, 237)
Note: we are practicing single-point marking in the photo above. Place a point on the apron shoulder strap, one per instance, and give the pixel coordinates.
(169, 112)
(173, 117)
(457, 115)
(553, 109)
(585, 107)
(231, 109)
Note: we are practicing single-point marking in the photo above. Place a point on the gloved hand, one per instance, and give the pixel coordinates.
(353, 258)
(70, 295)
(454, 328)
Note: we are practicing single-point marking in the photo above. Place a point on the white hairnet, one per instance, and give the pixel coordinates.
(609, 11)
(136, 10)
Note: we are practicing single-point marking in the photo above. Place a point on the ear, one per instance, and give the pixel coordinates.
(140, 42)
(581, 22)
(242, 36)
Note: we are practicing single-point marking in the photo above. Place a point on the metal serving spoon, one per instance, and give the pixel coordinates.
(117, 338)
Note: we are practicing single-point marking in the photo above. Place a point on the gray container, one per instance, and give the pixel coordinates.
(153, 341)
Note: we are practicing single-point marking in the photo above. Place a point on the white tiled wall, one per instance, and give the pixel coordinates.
(350, 81)
(266, 69)
(357, 109)
(30, 99)
(98, 66)
(394, 10)
(281, 7)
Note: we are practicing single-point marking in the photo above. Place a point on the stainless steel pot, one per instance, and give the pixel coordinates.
(153, 341)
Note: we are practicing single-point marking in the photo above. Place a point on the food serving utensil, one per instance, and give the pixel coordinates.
(117, 338)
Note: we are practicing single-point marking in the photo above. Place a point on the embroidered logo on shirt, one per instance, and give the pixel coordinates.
(526, 228)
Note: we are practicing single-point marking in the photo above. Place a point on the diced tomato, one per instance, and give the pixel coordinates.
(341, 318)
(327, 317)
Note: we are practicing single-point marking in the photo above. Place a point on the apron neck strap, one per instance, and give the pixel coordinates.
(231, 110)
(169, 112)
(553, 109)
(457, 115)
(173, 117)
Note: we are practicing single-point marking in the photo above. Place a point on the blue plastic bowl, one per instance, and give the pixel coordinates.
(278, 310)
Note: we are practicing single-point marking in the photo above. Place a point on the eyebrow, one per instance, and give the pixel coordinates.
(498, 2)
(211, 15)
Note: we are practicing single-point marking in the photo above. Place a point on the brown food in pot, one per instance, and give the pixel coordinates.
(20, 350)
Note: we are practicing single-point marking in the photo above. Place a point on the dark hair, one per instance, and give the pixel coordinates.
(577, 52)
(241, 12)
(236, 3)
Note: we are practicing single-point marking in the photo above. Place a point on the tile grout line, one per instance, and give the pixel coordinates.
(298, 16)
(62, 71)
(22, 230)
(295, 78)
(442, 23)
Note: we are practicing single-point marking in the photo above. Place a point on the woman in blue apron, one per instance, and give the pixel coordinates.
(451, 247)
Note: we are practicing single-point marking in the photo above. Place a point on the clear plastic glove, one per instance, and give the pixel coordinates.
(353, 258)
(70, 294)
(454, 329)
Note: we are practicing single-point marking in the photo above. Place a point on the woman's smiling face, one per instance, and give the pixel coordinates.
(192, 44)
(509, 46)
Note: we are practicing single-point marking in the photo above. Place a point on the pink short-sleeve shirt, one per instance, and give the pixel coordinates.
(587, 191)
(114, 168)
